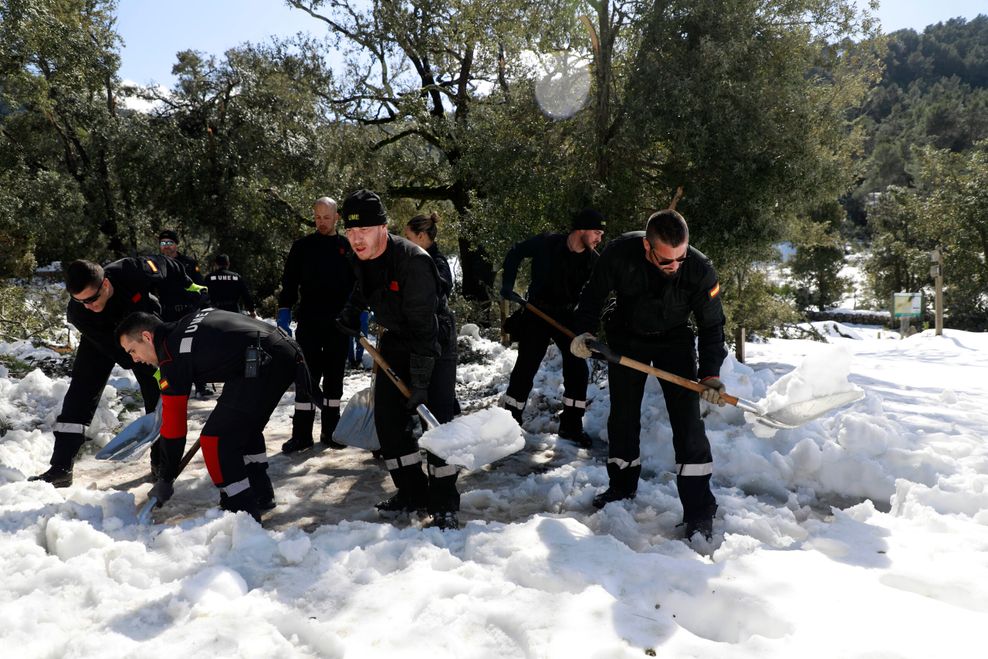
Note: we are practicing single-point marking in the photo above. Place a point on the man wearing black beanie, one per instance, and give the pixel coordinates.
(398, 281)
(561, 265)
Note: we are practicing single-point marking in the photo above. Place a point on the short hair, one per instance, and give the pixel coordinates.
(222, 260)
(137, 322)
(667, 226)
(426, 224)
(81, 274)
(328, 201)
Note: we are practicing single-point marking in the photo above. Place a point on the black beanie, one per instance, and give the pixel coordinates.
(363, 208)
(168, 234)
(588, 218)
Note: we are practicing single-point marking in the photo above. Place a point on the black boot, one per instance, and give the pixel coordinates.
(401, 504)
(330, 419)
(446, 521)
(702, 525)
(609, 495)
(242, 501)
(571, 427)
(301, 432)
(513, 406)
(56, 475)
(260, 483)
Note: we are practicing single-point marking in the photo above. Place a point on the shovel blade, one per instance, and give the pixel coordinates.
(796, 414)
(476, 439)
(131, 441)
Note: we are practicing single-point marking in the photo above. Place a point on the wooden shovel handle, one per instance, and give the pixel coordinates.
(616, 358)
(379, 360)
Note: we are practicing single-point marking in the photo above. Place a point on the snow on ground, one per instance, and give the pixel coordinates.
(863, 533)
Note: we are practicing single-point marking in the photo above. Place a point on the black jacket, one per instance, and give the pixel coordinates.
(402, 288)
(558, 274)
(318, 276)
(443, 270)
(652, 307)
(135, 281)
(227, 289)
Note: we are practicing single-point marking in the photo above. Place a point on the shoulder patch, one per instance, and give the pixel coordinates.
(715, 291)
(393, 285)
(151, 265)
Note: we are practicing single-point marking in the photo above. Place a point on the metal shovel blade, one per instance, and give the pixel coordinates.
(130, 441)
(796, 414)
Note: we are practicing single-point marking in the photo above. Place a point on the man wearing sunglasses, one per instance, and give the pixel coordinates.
(659, 282)
(99, 298)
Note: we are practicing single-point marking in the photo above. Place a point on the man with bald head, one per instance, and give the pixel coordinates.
(319, 278)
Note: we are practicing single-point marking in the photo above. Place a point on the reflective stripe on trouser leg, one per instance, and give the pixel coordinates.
(256, 458)
(69, 428)
(508, 401)
(305, 407)
(234, 489)
(570, 402)
(332, 402)
(403, 461)
(704, 469)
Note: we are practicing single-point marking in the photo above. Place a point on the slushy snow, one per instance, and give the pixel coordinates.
(862, 533)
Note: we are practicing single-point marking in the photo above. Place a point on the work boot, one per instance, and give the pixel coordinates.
(56, 475)
(445, 521)
(301, 431)
(515, 407)
(609, 495)
(702, 525)
(400, 504)
(571, 427)
(260, 483)
(330, 419)
(242, 501)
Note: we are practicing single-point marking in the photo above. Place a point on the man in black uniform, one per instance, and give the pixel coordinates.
(398, 281)
(659, 281)
(227, 289)
(176, 302)
(256, 364)
(99, 299)
(319, 276)
(561, 265)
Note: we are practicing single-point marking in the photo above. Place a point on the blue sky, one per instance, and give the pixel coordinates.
(154, 30)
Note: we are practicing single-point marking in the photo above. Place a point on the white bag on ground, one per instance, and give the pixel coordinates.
(356, 426)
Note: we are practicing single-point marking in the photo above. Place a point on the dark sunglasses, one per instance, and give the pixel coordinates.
(92, 298)
(667, 261)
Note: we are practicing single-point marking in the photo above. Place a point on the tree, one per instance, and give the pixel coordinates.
(58, 81)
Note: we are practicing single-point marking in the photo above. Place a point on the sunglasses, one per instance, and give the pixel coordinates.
(659, 261)
(92, 298)
(166, 243)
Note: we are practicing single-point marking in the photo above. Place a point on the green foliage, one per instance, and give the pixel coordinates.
(33, 313)
(819, 258)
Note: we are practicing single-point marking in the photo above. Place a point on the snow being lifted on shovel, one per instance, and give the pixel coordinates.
(819, 384)
(474, 440)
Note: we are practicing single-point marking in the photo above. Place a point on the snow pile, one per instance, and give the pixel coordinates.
(861, 533)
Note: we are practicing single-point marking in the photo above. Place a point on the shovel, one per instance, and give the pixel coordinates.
(144, 516)
(479, 425)
(130, 442)
(790, 416)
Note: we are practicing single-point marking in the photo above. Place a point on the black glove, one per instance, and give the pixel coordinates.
(348, 322)
(162, 491)
(420, 370)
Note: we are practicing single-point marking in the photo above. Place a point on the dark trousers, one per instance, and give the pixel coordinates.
(325, 349)
(627, 386)
(393, 422)
(232, 438)
(535, 335)
(90, 372)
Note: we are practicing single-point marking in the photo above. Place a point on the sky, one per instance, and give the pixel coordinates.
(861, 533)
(155, 31)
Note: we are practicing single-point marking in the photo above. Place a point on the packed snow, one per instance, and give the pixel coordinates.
(862, 533)
(474, 440)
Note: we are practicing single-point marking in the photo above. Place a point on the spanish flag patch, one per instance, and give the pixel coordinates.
(163, 384)
(715, 291)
